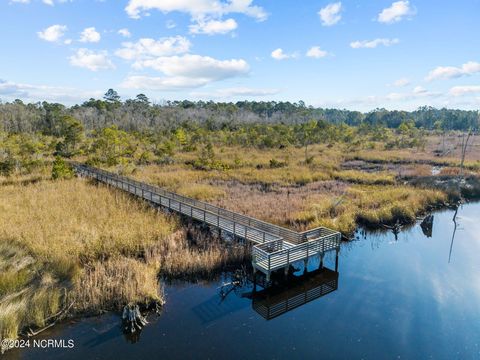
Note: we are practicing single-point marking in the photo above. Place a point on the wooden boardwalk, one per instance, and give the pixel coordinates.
(275, 247)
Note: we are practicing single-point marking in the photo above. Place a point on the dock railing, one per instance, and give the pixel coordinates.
(275, 247)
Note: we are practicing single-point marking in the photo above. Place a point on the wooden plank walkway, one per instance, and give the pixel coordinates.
(275, 247)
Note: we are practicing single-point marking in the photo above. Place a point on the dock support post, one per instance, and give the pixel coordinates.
(305, 263)
(286, 270)
(336, 259)
(322, 255)
(268, 277)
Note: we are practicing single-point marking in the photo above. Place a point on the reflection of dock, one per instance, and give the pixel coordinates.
(275, 301)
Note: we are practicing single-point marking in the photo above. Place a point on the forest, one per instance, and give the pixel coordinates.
(139, 114)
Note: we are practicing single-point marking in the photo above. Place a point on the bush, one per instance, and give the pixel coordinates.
(61, 170)
(276, 164)
(7, 167)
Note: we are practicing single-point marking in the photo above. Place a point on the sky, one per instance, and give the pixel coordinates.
(357, 55)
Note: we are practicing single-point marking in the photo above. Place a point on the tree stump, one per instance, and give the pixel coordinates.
(132, 319)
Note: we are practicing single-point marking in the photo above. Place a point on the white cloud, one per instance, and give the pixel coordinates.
(316, 52)
(187, 71)
(196, 8)
(160, 83)
(170, 24)
(451, 72)
(92, 60)
(212, 27)
(236, 92)
(418, 92)
(30, 92)
(90, 35)
(196, 66)
(278, 54)
(149, 48)
(330, 14)
(124, 32)
(371, 44)
(401, 82)
(465, 90)
(396, 12)
(53, 33)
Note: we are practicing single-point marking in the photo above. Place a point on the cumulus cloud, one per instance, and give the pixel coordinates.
(396, 12)
(371, 44)
(330, 14)
(213, 27)
(91, 60)
(278, 54)
(124, 32)
(196, 8)
(316, 52)
(451, 72)
(465, 90)
(147, 48)
(196, 66)
(53, 33)
(186, 71)
(90, 35)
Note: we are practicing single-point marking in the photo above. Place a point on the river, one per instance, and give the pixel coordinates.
(394, 297)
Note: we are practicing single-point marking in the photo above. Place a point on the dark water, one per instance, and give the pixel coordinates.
(414, 297)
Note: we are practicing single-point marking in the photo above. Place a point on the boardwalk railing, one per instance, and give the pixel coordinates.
(275, 245)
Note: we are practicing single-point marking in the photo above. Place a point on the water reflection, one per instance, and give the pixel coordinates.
(427, 226)
(278, 300)
(287, 293)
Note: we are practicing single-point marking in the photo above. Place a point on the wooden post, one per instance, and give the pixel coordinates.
(336, 260)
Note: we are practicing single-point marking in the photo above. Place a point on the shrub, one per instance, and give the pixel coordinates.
(61, 170)
(275, 164)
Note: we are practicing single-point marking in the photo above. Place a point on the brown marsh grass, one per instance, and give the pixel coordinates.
(71, 243)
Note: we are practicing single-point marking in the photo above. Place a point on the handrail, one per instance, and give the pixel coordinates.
(280, 237)
(273, 229)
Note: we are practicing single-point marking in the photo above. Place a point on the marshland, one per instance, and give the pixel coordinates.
(70, 247)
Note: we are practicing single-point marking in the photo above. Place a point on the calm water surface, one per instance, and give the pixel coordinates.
(414, 297)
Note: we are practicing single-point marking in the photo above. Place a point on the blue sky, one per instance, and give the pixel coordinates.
(345, 54)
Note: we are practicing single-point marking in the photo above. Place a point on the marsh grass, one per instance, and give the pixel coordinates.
(300, 195)
(76, 243)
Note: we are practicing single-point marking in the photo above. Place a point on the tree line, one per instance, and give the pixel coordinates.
(140, 114)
